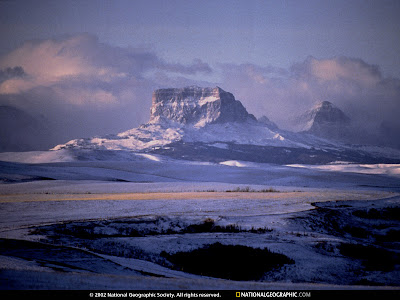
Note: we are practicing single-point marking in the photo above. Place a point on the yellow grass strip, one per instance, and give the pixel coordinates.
(308, 196)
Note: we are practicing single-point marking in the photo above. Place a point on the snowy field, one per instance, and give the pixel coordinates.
(140, 222)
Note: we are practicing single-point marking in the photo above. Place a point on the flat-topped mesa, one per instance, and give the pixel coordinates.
(197, 106)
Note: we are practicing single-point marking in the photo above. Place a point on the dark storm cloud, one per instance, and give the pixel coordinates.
(9, 73)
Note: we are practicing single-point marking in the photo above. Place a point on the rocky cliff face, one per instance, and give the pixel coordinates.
(197, 106)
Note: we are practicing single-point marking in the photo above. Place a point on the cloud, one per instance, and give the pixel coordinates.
(338, 69)
(198, 66)
(83, 87)
(82, 58)
(358, 88)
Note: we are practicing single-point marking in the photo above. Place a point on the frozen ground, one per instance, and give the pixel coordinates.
(107, 224)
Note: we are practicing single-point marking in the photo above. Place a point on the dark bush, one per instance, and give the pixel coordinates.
(233, 262)
(356, 231)
(393, 235)
(209, 226)
(388, 213)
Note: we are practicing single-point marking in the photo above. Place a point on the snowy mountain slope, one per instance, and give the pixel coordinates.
(188, 114)
(147, 136)
(150, 136)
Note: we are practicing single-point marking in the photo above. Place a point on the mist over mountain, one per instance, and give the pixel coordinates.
(361, 90)
(328, 121)
(19, 131)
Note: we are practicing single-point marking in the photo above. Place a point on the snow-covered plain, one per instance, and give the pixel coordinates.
(142, 204)
(384, 169)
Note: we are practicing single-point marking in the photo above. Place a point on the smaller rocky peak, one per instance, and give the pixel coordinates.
(325, 120)
(326, 112)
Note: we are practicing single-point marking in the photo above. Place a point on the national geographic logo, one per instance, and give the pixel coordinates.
(272, 294)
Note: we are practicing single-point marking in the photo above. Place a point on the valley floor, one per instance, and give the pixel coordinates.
(140, 225)
(115, 241)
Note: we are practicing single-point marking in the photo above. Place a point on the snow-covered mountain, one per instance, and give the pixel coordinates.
(191, 114)
(210, 124)
(197, 106)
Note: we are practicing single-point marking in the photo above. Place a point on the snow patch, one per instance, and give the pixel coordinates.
(233, 163)
(279, 137)
(149, 156)
(205, 100)
(220, 145)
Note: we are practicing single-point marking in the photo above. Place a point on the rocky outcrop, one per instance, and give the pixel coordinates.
(197, 106)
